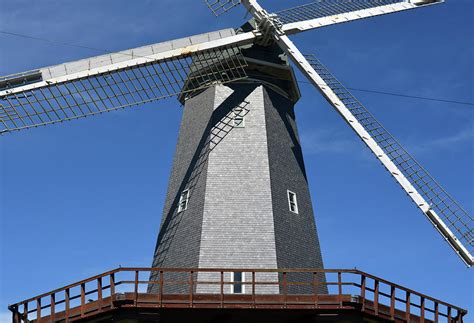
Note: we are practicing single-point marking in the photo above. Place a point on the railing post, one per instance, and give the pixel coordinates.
(16, 315)
(392, 303)
(339, 287)
(83, 298)
(449, 315)
(408, 306)
(53, 307)
(38, 309)
(253, 288)
(99, 292)
(25, 312)
(162, 282)
(136, 287)
(285, 289)
(112, 289)
(68, 306)
(315, 289)
(362, 290)
(376, 297)
(222, 289)
(422, 309)
(191, 288)
(436, 317)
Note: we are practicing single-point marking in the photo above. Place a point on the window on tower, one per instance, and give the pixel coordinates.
(183, 201)
(238, 117)
(292, 202)
(238, 277)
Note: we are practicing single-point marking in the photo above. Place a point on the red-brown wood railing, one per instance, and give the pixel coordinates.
(375, 295)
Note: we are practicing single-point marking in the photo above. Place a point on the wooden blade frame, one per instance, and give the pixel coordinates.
(451, 221)
(328, 12)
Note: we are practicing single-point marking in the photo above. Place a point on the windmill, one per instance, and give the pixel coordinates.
(226, 65)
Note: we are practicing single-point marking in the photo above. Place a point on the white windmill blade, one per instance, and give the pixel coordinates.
(117, 80)
(328, 12)
(450, 219)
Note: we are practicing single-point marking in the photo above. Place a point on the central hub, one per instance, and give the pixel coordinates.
(268, 25)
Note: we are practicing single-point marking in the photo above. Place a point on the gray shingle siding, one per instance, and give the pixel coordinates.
(238, 215)
(237, 227)
(178, 242)
(297, 244)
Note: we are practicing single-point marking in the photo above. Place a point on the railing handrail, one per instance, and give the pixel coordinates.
(256, 270)
(411, 291)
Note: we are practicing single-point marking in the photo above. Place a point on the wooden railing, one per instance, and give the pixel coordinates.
(184, 288)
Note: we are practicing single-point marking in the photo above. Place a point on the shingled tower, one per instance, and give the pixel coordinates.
(238, 194)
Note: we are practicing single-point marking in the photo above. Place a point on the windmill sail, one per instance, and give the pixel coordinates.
(327, 12)
(446, 215)
(113, 81)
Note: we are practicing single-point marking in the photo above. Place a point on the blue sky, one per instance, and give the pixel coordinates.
(83, 197)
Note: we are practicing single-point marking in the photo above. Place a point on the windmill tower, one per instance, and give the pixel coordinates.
(238, 194)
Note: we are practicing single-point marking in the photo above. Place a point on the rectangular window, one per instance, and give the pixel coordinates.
(292, 202)
(183, 201)
(238, 277)
(238, 116)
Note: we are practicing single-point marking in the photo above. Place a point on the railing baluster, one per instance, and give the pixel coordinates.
(408, 306)
(339, 287)
(376, 296)
(449, 315)
(53, 307)
(315, 289)
(422, 309)
(112, 289)
(162, 282)
(191, 288)
(314, 284)
(83, 298)
(38, 309)
(25, 312)
(392, 303)
(99, 292)
(222, 289)
(253, 288)
(362, 290)
(285, 290)
(68, 306)
(136, 287)
(436, 318)
(16, 315)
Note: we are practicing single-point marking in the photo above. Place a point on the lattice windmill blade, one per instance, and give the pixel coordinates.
(328, 12)
(118, 80)
(446, 215)
(219, 7)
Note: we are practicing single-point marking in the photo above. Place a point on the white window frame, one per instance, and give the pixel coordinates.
(240, 115)
(295, 202)
(232, 286)
(182, 199)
